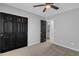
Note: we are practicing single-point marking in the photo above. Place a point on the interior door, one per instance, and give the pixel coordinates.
(6, 33)
(13, 32)
(21, 34)
(43, 31)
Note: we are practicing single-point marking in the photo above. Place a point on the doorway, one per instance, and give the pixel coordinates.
(43, 31)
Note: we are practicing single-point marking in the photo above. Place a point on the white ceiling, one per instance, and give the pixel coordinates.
(49, 13)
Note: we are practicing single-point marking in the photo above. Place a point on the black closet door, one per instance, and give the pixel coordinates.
(21, 34)
(5, 41)
(43, 31)
(8, 39)
(0, 32)
(13, 32)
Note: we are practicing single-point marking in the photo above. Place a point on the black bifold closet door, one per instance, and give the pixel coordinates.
(13, 32)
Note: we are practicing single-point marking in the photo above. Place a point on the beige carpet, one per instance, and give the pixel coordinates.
(43, 49)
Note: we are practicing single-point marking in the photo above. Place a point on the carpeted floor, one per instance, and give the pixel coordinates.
(42, 49)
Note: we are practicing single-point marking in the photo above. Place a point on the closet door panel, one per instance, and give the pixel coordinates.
(5, 39)
(13, 32)
(21, 40)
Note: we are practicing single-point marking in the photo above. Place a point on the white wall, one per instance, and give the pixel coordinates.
(66, 27)
(52, 29)
(33, 22)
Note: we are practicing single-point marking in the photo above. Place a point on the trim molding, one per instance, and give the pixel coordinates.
(66, 47)
(33, 43)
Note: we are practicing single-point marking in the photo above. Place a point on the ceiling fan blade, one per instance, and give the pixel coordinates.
(44, 10)
(38, 5)
(49, 3)
(55, 7)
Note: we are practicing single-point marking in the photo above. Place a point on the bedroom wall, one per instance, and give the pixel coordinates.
(66, 29)
(33, 22)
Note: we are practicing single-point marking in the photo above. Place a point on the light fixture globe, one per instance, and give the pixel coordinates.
(48, 6)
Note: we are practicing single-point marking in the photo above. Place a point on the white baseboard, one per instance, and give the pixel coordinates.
(33, 43)
(67, 47)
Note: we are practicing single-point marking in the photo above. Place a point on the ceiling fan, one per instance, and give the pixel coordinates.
(47, 6)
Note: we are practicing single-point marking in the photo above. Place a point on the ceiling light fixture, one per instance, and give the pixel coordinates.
(48, 6)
